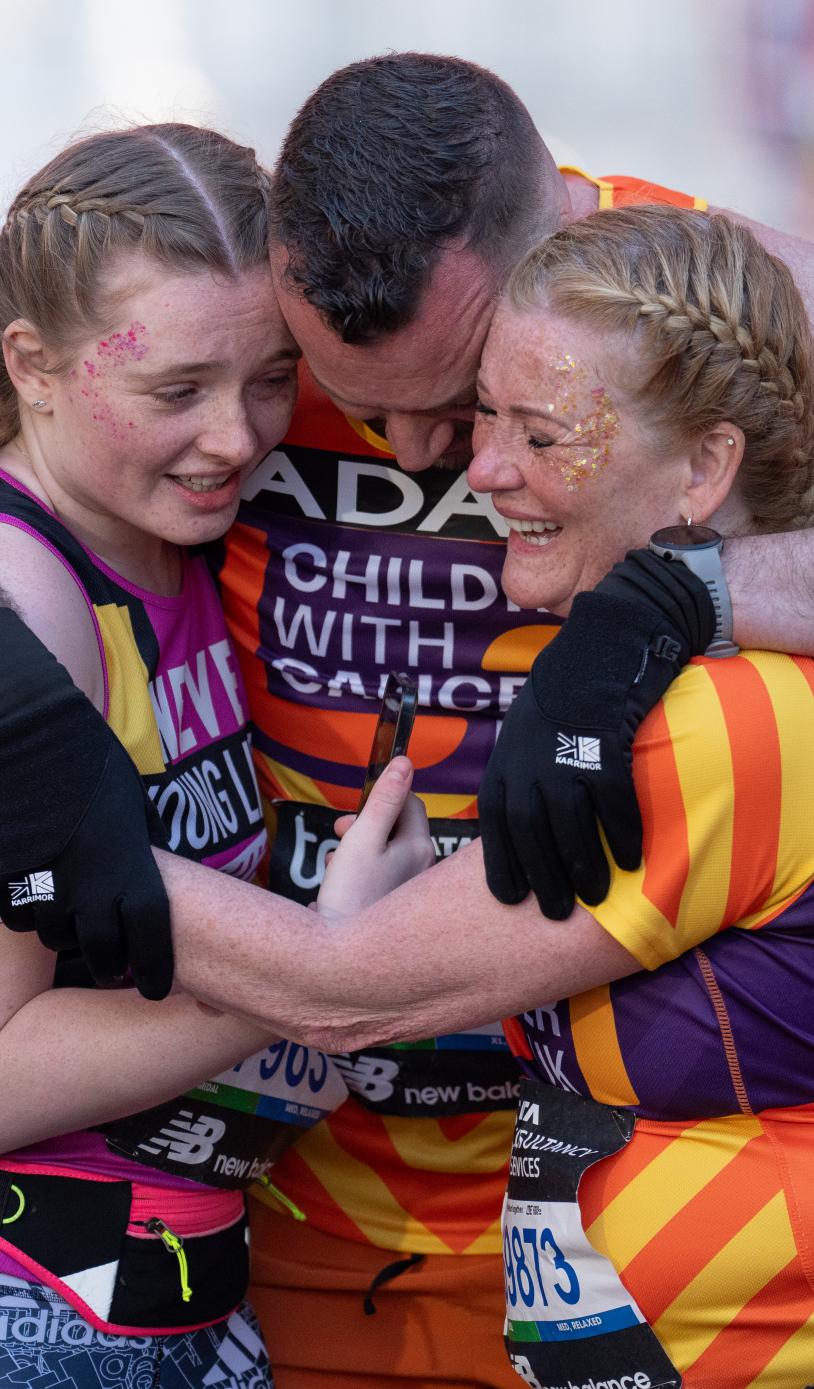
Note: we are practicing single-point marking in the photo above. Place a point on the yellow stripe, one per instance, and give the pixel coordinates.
(792, 1364)
(748, 1261)
(130, 712)
(704, 765)
(596, 1042)
(294, 785)
(700, 205)
(605, 188)
(631, 918)
(364, 431)
(356, 1190)
(425, 1147)
(667, 1184)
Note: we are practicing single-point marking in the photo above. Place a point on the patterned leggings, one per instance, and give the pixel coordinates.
(45, 1344)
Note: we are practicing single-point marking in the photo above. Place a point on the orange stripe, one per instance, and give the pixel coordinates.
(299, 1182)
(760, 1329)
(316, 420)
(598, 1052)
(632, 192)
(685, 1245)
(603, 1182)
(516, 1037)
(346, 737)
(242, 580)
(456, 1213)
(664, 816)
(756, 784)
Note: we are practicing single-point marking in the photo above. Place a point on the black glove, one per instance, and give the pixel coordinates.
(563, 760)
(75, 824)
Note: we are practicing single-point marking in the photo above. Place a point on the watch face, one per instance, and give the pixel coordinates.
(685, 537)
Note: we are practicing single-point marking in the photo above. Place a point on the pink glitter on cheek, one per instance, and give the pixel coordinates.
(121, 347)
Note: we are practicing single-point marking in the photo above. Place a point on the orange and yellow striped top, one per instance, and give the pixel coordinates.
(708, 1214)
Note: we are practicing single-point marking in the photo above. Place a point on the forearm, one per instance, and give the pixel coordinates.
(437, 955)
(72, 1058)
(771, 581)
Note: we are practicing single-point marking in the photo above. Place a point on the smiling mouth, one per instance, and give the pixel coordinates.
(201, 484)
(534, 532)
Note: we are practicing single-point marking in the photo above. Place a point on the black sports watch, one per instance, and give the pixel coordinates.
(700, 548)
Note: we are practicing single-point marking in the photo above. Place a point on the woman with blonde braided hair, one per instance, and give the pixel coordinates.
(647, 370)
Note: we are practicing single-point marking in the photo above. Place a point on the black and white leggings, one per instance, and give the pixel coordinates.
(45, 1342)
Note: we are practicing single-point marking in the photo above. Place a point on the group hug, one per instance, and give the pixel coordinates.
(509, 1076)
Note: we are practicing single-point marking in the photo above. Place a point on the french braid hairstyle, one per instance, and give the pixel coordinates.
(719, 330)
(187, 197)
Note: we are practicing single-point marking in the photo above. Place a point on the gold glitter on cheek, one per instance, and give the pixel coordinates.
(595, 434)
(572, 375)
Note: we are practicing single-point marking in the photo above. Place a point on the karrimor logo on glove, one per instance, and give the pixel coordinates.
(578, 751)
(34, 887)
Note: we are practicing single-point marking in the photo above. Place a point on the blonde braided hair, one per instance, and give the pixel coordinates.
(720, 333)
(187, 197)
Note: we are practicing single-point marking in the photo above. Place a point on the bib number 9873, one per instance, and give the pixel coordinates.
(536, 1268)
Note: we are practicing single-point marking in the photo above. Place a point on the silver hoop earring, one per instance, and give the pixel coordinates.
(38, 404)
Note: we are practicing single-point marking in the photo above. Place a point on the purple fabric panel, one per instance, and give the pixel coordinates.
(669, 1034)
(773, 1023)
(669, 1038)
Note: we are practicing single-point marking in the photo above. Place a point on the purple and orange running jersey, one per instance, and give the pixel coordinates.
(708, 1214)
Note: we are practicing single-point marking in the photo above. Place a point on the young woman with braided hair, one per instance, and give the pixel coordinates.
(147, 371)
(646, 368)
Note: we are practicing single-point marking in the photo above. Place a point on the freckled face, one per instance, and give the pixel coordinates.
(158, 420)
(566, 455)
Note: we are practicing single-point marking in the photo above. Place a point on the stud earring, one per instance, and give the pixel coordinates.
(730, 441)
(38, 404)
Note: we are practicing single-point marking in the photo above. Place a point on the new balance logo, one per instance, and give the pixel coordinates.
(35, 887)
(578, 752)
(371, 1076)
(186, 1140)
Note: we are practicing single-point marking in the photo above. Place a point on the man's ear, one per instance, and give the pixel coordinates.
(25, 357)
(714, 462)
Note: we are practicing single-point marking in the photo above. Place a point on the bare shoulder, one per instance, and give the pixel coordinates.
(50, 599)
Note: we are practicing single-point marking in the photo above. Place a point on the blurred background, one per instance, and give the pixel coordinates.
(715, 97)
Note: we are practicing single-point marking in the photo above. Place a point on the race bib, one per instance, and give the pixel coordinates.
(570, 1322)
(228, 1131)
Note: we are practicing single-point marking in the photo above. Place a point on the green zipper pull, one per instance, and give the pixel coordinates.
(280, 1196)
(175, 1245)
(10, 1219)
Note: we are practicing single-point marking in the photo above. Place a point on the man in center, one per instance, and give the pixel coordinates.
(406, 188)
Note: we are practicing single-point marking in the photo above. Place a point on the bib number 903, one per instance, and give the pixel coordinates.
(535, 1268)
